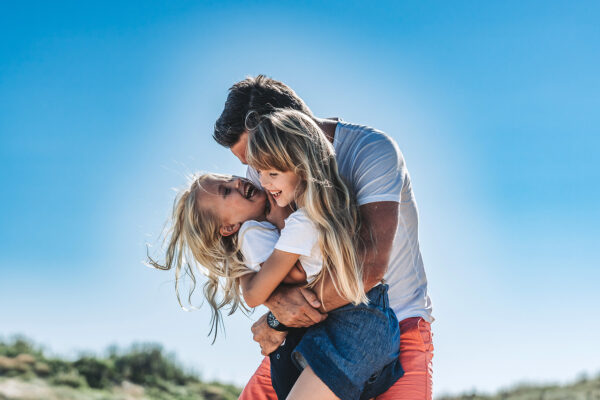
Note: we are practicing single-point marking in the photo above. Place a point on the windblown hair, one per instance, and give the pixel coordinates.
(289, 140)
(260, 94)
(195, 243)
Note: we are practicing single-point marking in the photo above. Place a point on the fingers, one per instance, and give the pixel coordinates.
(305, 316)
(311, 297)
(267, 338)
(269, 345)
(302, 317)
(314, 316)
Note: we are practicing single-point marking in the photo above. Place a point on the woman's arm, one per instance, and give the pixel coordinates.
(258, 287)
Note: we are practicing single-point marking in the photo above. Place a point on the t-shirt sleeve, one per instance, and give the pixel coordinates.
(378, 171)
(256, 244)
(299, 235)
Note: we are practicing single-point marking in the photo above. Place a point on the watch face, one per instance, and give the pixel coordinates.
(272, 321)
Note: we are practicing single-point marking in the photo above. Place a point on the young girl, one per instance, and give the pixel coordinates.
(352, 354)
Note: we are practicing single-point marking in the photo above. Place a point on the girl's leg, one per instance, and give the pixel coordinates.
(309, 386)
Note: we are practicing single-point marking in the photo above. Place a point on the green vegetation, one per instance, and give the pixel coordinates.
(143, 371)
(584, 389)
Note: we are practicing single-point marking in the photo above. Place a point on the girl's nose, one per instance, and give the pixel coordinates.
(263, 180)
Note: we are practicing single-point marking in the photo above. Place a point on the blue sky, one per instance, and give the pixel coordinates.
(105, 108)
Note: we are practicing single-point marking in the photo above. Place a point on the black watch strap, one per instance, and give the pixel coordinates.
(275, 324)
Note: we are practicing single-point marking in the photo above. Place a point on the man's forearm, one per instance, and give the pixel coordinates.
(331, 299)
(378, 228)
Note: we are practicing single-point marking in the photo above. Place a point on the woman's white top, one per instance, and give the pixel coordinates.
(257, 242)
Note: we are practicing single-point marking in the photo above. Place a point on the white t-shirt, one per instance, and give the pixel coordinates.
(374, 167)
(257, 241)
(299, 236)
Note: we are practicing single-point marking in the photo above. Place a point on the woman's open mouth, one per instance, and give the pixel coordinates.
(249, 190)
(276, 194)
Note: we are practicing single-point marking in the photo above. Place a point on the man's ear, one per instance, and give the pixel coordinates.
(228, 230)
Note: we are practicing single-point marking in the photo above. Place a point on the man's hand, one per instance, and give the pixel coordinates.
(277, 215)
(269, 339)
(295, 306)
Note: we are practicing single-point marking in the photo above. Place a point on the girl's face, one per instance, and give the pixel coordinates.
(282, 185)
(233, 200)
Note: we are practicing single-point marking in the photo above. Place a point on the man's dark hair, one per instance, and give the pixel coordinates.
(261, 95)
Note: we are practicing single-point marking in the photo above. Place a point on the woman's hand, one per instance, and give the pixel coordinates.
(269, 339)
(295, 306)
(277, 215)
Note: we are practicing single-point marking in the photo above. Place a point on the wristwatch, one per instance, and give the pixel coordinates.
(274, 324)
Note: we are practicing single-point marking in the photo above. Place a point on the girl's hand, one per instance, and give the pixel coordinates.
(277, 215)
(269, 339)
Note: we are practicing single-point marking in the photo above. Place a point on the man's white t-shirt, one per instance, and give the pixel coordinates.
(299, 236)
(374, 167)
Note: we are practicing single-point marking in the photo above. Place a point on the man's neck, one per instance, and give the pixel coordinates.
(328, 127)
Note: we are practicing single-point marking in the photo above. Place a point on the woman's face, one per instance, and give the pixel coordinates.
(234, 200)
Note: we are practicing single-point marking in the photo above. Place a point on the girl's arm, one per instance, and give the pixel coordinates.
(258, 287)
(297, 275)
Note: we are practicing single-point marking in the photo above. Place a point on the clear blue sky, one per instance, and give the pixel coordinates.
(104, 108)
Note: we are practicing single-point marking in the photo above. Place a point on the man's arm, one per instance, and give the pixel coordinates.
(378, 227)
(379, 220)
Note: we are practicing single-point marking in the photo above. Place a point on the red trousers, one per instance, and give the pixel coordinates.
(416, 354)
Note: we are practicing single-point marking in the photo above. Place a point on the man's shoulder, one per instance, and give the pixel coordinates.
(347, 132)
(352, 140)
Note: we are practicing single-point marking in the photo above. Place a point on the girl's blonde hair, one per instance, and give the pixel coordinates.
(288, 140)
(195, 242)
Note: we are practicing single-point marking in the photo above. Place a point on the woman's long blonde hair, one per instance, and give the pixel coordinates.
(195, 243)
(288, 140)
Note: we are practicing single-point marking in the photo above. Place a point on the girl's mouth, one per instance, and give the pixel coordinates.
(249, 190)
(276, 194)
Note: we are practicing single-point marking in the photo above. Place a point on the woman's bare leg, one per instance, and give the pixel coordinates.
(309, 386)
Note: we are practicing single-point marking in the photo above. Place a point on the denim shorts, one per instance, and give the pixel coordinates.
(354, 351)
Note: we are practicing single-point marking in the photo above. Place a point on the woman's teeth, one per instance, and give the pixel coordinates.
(276, 194)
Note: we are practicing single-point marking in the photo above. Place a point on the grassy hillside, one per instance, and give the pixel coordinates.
(143, 371)
(583, 389)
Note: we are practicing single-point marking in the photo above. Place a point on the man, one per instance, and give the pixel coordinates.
(374, 167)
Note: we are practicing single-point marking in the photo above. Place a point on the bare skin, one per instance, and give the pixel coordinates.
(309, 386)
(295, 306)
